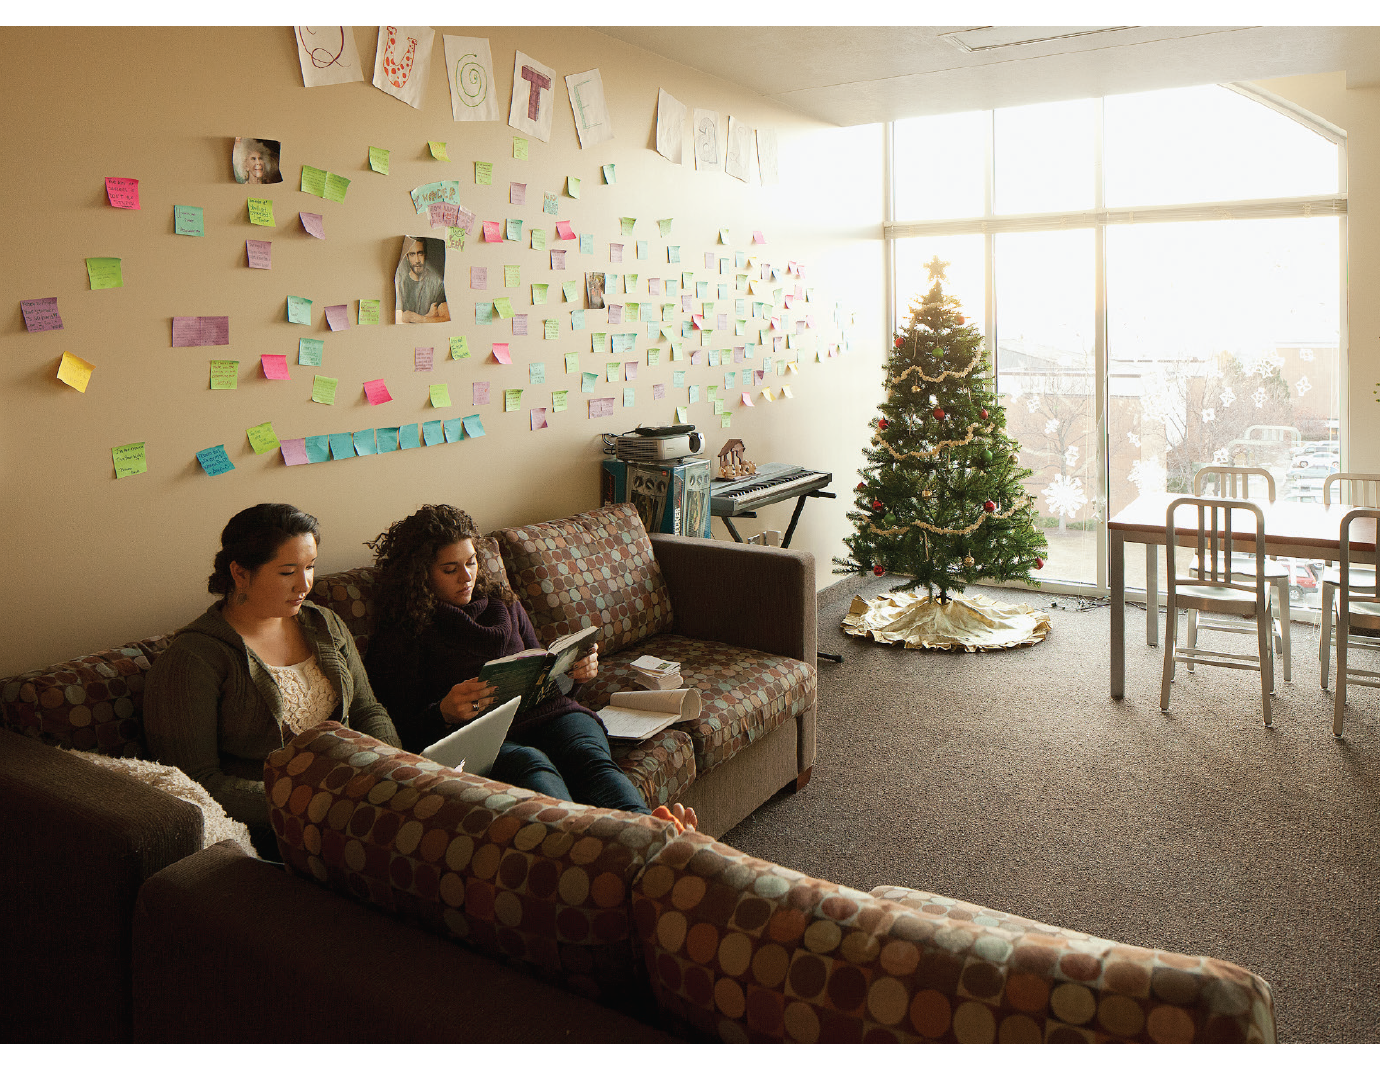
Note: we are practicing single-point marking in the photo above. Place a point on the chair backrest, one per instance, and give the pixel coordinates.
(1362, 586)
(1358, 488)
(1233, 481)
(1219, 535)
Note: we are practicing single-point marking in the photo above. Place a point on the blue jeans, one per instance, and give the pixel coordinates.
(568, 758)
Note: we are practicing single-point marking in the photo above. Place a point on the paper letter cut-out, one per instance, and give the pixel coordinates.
(470, 71)
(401, 61)
(328, 55)
(706, 134)
(587, 104)
(670, 127)
(531, 107)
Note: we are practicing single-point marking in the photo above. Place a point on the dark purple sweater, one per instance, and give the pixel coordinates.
(411, 675)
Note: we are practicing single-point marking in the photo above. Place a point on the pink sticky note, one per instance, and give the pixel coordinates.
(501, 353)
(615, 314)
(747, 399)
(790, 267)
(338, 316)
(479, 393)
(629, 369)
(697, 356)
(517, 195)
(810, 321)
(790, 301)
(479, 277)
(294, 451)
(563, 231)
(658, 391)
(275, 365)
(122, 192)
(558, 260)
(422, 357)
(600, 407)
(260, 253)
(698, 320)
(311, 223)
(538, 419)
(492, 233)
(759, 237)
(443, 215)
(376, 392)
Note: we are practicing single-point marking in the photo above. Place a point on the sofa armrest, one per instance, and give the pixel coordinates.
(747, 596)
(78, 841)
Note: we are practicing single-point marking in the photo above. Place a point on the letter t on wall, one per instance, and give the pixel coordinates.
(539, 82)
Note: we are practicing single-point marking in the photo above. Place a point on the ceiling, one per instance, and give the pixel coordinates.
(849, 75)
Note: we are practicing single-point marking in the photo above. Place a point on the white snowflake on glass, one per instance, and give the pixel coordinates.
(1071, 456)
(1209, 415)
(1305, 355)
(1227, 397)
(1065, 496)
(1214, 373)
(1148, 474)
(1219, 457)
(1303, 386)
(1015, 392)
(1051, 425)
(1259, 397)
(1133, 438)
(1033, 404)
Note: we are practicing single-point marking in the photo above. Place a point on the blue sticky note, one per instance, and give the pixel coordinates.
(342, 445)
(455, 429)
(364, 442)
(215, 460)
(388, 440)
(474, 427)
(432, 434)
(318, 448)
(407, 437)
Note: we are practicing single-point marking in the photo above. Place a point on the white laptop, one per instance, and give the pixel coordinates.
(476, 743)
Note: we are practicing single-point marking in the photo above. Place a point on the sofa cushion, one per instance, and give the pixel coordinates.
(93, 703)
(596, 568)
(744, 694)
(661, 767)
(537, 882)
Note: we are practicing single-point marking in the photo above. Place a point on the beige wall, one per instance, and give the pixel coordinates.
(91, 561)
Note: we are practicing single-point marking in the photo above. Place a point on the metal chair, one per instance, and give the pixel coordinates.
(1359, 489)
(1358, 606)
(1233, 481)
(1211, 587)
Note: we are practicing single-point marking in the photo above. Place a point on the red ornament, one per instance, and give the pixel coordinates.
(882, 425)
(861, 487)
(899, 340)
(1039, 563)
(984, 414)
(877, 505)
(960, 320)
(990, 506)
(877, 570)
(939, 414)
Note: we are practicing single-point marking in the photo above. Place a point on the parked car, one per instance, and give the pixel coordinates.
(1305, 578)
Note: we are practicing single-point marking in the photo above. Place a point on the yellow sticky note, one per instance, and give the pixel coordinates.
(512, 275)
(104, 272)
(225, 375)
(438, 150)
(766, 393)
(129, 459)
(75, 372)
(459, 347)
(440, 395)
(519, 148)
(786, 392)
(504, 307)
(262, 437)
(682, 414)
(261, 212)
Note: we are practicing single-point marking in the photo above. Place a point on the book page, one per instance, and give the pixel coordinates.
(624, 724)
(683, 703)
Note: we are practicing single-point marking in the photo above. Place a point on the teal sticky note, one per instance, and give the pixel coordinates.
(641, 250)
(730, 378)
(342, 445)
(577, 319)
(588, 380)
(299, 310)
(474, 427)
(694, 392)
(215, 460)
(454, 429)
(628, 396)
(364, 442)
(432, 434)
(189, 220)
(408, 437)
(310, 350)
(318, 448)
(388, 440)
(483, 312)
(587, 243)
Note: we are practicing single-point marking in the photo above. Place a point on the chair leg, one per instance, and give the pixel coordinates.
(1282, 608)
(1339, 696)
(1190, 635)
(1325, 628)
(1171, 617)
(1264, 635)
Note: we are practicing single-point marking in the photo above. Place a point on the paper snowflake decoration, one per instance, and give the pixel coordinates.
(1219, 457)
(1071, 456)
(1051, 425)
(1133, 438)
(1033, 404)
(1303, 386)
(1148, 474)
(1209, 415)
(1305, 355)
(1015, 392)
(1259, 397)
(1065, 496)
(1227, 397)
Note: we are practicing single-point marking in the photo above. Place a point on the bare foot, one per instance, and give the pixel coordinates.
(684, 818)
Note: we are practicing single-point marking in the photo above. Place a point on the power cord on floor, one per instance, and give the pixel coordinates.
(1079, 603)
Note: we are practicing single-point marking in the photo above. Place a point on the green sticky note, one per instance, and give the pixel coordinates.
(369, 311)
(438, 150)
(719, 409)
(664, 226)
(261, 437)
(572, 363)
(610, 176)
(730, 378)
(483, 173)
(570, 290)
(723, 236)
(455, 237)
(299, 310)
(626, 224)
(577, 319)
(310, 351)
(551, 330)
(459, 347)
(678, 378)
(588, 381)
(104, 273)
(514, 230)
(483, 312)
(409, 437)
(129, 459)
(313, 181)
(538, 238)
(629, 396)
(387, 440)
(337, 186)
(474, 426)
(440, 395)
(539, 293)
(323, 389)
(653, 357)
(613, 371)
(504, 308)
(261, 212)
(512, 400)
(378, 161)
(598, 341)
(726, 421)
(225, 375)
(558, 400)
(694, 392)
(677, 351)
(519, 148)
(536, 372)
(572, 186)
(682, 414)
(188, 219)
(512, 275)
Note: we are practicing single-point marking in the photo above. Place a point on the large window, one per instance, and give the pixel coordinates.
(1159, 276)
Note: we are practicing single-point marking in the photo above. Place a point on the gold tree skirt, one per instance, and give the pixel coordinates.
(973, 622)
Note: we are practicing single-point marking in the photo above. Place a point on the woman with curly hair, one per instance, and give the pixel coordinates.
(439, 621)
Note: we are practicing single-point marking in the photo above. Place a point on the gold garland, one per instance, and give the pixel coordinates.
(954, 372)
(927, 527)
(934, 449)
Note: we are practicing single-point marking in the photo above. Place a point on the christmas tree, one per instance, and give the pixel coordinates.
(941, 501)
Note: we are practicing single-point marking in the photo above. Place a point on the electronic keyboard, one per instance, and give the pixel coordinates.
(773, 482)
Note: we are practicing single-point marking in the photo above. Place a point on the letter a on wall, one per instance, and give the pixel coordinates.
(402, 60)
(470, 71)
(587, 104)
(328, 55)
(533, 99)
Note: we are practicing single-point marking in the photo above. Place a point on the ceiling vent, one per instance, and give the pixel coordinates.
(990, 38)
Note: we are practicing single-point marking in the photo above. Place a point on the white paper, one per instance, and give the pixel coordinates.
(737, 160)
(766, 155)
(470, 72)
(706, 133)
(670, 127)
(328, 55)
(402, 60)
(589, 108)
(533, 97)
(637, 715)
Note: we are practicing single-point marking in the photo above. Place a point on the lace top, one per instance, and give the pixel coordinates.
(309, 697)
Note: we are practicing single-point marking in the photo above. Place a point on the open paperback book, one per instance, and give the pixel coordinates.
(637, 715)
(529, 673)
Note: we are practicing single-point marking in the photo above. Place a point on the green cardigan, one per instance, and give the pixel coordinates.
(212, 708)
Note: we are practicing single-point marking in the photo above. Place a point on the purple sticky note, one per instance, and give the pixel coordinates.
(658, 391)
(260, 253)
(479, 277)
(615, 314)
(440, 214)
(538, 419)
(41, 314)
(311, 223)
(294, 451)
(479, 393)
(201, 330)
(557, 260)
(274, 365)
(520, 323)
(629, 369)
(517, 193)
(600, 407)
(338, 316)
(123, 192)
(376, 392)
(422, 357)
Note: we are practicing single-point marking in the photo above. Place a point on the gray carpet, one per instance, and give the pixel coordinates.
(1010, 779)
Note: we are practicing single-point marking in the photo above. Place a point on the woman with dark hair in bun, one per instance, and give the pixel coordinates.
(257, 668)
